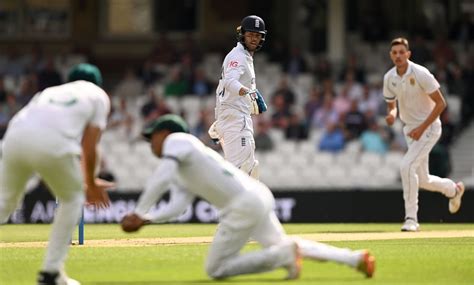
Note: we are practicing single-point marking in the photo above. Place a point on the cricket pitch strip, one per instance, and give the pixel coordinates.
(323, 237)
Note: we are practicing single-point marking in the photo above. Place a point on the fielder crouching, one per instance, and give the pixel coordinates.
(245, 205)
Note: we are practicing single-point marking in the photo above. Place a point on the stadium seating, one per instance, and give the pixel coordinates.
(291, 165)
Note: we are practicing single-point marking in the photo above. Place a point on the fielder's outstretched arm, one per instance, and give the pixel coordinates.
(157, 185)
(179, 201)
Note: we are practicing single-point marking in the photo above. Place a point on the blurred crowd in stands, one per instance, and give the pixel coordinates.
(344, 102)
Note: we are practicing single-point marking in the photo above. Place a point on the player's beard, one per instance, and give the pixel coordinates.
(252, 48)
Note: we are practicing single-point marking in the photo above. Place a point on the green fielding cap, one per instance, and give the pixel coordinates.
(87, 72)
(170, 122)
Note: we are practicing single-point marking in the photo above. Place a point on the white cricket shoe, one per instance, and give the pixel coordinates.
(455, 202)
(294, 267)
(410, 225)
(57, 278)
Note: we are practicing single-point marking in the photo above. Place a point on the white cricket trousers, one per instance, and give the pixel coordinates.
(251, 216)
(236, 137)
(29, 151)
(414, 169)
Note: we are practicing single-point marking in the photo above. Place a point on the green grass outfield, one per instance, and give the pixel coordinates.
(410, 259)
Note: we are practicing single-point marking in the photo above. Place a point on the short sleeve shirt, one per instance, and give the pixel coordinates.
(412, 91)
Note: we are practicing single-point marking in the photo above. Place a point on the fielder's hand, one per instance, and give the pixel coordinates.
(416, 133)
(132, 223)
(390, 119)
(96, 194)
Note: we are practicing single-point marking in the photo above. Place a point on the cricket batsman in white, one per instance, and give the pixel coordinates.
(245, 205)
(237, 98)
(49, 137)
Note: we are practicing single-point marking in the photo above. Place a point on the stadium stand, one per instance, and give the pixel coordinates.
(292, 164)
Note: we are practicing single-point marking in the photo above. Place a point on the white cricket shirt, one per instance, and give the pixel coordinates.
(237, 71)
(65, 110)
(412, 92)
(201, 171)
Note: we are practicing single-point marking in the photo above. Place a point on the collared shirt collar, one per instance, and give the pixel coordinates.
(241, 47)
(409, 70)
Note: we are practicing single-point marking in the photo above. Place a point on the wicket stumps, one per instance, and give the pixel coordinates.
(81, 228)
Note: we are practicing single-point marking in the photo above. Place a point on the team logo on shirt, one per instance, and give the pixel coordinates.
(412, 81)
(233, 63)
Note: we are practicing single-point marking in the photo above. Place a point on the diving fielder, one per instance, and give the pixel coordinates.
(245, 204)
(420, 103)
(237, 98)
(48, 137)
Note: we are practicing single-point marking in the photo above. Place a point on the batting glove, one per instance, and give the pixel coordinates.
(213, 133)
(258, 103)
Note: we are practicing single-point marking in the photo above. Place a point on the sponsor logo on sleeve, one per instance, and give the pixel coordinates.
(233, 63)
